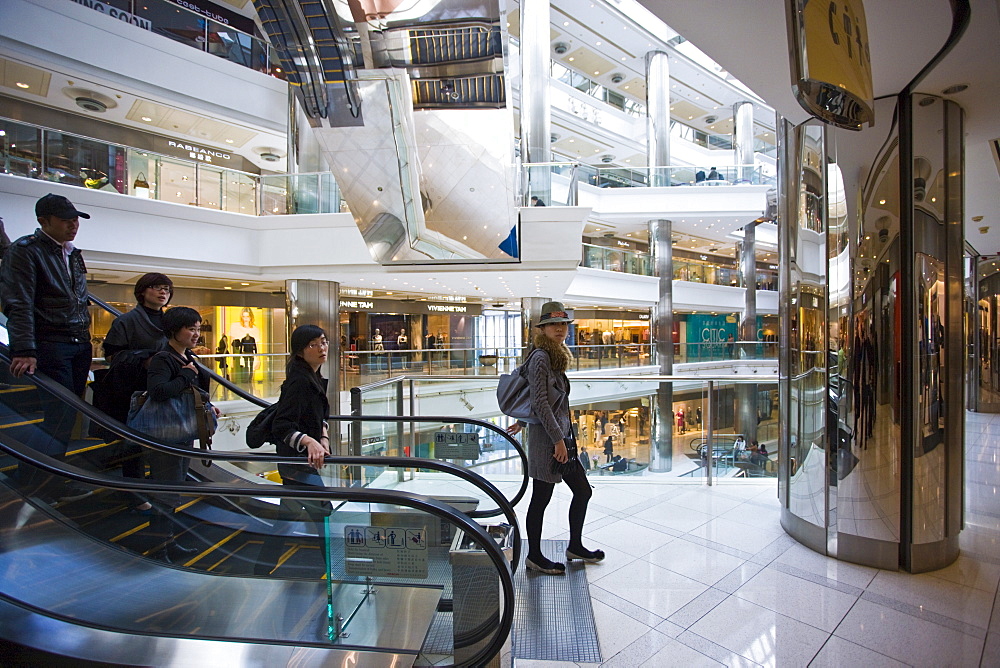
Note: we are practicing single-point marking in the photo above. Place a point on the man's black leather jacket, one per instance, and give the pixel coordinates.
(43, 301)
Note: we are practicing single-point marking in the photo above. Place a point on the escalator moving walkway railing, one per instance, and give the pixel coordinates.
(99, 588)
(358, 419)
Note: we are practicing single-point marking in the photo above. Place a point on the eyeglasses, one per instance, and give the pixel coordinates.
(161, 288)
(323, 343)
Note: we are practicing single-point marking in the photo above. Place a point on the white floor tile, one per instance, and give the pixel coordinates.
(908, 639)
(737, 535)
(971, 572)
(656, 589)
(676, 655)
(705, 500)
(678, 519)
(616, 498)
(800, 599)
(759, 634)
(630, 538)
(965, 604)
(615, 630)
(838, 653)
(801, 557)
(695, 561)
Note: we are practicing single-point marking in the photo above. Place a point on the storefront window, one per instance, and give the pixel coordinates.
(22, 149)
(84, 162)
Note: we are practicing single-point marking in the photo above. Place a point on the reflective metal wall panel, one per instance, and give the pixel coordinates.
(868, 491)
(806, 356)
(874, 359)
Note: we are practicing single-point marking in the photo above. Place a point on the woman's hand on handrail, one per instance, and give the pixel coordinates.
(316, 452)
(515, 429)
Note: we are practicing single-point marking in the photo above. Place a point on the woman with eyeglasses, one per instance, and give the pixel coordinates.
(133, 339)
(300, 429)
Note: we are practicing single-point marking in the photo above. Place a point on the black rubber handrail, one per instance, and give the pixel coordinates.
(482, 424)
(420, 502)
(504, 506)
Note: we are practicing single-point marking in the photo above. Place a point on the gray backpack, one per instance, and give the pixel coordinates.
(514, 395)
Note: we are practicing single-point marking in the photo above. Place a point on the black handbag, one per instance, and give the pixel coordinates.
(573, 458)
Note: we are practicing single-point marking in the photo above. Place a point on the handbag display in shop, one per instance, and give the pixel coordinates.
(182, 419)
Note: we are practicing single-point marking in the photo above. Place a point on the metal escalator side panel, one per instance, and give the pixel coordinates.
(443, 177)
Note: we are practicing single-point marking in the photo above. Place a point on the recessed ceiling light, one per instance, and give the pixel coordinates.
(22, 85)
(226, 287)
(244, 284)
(147, 119)
(229, 141)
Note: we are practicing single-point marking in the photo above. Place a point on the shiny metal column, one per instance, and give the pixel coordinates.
(658, 117)
(661, 446)
(536, 127)
(743, 139)
(531, 312)
(973, 374)
(746, 394)
(310, 302)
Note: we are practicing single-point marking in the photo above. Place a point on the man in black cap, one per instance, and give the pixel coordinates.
(43, 285)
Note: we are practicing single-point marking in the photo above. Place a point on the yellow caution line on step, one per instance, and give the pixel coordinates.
(214, 547)
(21, 424)
(129, 532)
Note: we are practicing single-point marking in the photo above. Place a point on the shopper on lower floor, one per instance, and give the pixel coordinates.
(300, 428)
(551, 447)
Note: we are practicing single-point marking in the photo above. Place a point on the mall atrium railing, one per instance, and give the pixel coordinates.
(635, 262)
(566, 177)
(201, 32)
(614, 421)
(261, 374)
(61, 157)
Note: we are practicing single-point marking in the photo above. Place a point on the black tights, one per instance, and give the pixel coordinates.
(541, 493)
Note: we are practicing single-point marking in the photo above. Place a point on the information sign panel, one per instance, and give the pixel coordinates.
(385, 551)
(456, 445)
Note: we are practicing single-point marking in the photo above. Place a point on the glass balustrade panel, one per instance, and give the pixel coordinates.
(612, 421)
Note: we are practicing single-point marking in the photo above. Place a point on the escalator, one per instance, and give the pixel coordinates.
(372, 579)
(410, 107)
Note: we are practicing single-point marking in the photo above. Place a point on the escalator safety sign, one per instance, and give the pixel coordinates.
(385, 551)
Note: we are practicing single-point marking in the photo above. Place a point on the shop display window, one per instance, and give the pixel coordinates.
(22, 149)
(84, 162)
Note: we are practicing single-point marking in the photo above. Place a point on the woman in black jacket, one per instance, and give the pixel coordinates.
(299, 429)
(131, 342)
(172, 372)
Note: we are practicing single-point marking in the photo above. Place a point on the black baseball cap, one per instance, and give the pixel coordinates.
(59, 206)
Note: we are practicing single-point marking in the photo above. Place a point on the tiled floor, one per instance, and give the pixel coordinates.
(702, 577)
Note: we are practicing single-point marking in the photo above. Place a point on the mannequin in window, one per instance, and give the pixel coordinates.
(402, 341)
(223, 349)
(243, 337)
(378, 348)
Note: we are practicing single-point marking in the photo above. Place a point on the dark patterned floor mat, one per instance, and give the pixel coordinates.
(553, 618)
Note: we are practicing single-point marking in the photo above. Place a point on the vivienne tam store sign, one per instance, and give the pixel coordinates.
(116, 13)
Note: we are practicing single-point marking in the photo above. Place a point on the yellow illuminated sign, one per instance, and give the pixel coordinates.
(831, 67)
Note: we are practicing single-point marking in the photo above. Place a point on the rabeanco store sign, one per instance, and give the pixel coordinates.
(415, 307)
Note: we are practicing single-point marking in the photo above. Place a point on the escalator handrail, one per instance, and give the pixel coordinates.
(420, 502)
(504, 506)
(482, 424)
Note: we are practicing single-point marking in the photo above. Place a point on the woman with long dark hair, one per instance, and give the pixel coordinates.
(552, 454)
(299, 429)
